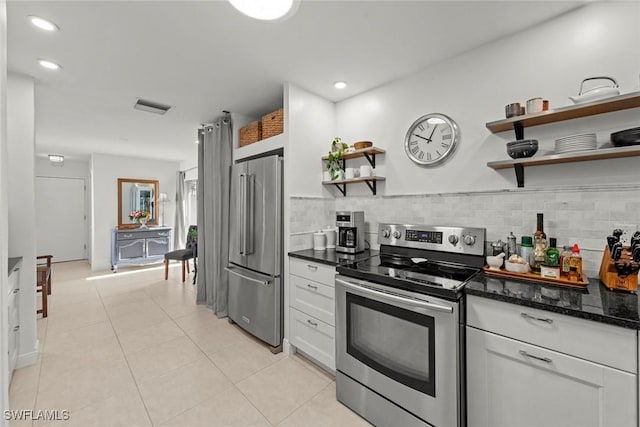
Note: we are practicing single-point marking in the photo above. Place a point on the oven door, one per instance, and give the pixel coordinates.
(402, 345)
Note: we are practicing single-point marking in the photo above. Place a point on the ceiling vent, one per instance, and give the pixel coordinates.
(151, 106)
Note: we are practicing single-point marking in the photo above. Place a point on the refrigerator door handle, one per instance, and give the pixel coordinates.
(250, 214)
(243, 213)
(251, 279)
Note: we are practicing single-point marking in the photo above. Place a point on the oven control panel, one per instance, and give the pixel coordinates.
(465, 240)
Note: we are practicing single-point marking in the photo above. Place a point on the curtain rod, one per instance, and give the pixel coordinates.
(189, 169)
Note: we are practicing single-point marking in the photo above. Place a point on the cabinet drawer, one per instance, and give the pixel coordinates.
(157, 246)
(313, 298)
(313, 337)
(606, 344)
(511, 383)
(132, 234)
(311, 270)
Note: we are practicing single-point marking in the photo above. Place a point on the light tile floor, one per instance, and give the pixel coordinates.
(131, 349)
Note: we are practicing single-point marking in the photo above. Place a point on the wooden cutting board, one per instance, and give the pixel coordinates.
(536, 278)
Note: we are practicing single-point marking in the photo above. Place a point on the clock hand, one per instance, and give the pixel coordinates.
(422, 137)
(434, 129)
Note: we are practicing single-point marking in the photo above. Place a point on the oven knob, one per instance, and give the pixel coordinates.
(397, 234)
(386, 233)
(453, 239)
(469, 240)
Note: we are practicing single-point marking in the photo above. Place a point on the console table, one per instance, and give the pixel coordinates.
(139, 246)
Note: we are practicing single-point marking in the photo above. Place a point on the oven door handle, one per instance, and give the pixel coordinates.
(394, 298)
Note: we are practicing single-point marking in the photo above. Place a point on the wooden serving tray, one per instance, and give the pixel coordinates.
(536, 278)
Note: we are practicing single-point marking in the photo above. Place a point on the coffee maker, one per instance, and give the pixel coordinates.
(350, 232)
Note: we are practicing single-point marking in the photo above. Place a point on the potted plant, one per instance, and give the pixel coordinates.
(334, 159)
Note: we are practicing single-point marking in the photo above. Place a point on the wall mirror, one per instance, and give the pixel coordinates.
(137, 195)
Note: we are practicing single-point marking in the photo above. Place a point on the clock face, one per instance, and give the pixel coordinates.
(431, 139)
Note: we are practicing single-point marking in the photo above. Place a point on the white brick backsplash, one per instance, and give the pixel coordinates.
(582, 215)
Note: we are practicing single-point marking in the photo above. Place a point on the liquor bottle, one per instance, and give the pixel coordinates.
(552, 257)
(575, 264)
(539, 245)
(564, 261)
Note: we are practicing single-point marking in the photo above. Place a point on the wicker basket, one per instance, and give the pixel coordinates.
(273, 124)
(250, 133)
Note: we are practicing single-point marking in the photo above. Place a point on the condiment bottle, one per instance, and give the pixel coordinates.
(575, 264)
(564, 260)
(526, 249)
(552, 257)
(512, 247)
(539, 245)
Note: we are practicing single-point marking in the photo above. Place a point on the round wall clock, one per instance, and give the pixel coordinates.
(431, 139)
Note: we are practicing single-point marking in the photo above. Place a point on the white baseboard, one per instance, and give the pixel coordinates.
(288, 348)
(31, 358)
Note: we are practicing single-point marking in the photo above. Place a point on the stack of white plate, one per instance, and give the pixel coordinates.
(580, 142)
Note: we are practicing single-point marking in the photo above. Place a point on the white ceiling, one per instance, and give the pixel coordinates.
(204, 57)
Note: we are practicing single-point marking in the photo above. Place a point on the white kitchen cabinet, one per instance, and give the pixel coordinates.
(13, 308)
(312, 310)
(524, 381)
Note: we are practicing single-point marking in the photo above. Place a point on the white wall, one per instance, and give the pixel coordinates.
(105, 171)
(71, 169)
(21, 186)
(549, 61)
(4, 215)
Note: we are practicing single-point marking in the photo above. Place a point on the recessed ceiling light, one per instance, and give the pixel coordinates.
(266, 10)
(340, 85)
(56, 159)
(43, 23)
(48, 64)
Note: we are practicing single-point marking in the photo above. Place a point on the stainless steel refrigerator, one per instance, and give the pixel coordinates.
(255, 248)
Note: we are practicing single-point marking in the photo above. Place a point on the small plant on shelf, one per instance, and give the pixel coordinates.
(334, 159)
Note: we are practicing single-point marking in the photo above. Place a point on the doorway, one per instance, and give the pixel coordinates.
(60, 218)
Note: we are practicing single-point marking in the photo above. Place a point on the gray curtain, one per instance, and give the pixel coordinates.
(214, 161)
(179, 239)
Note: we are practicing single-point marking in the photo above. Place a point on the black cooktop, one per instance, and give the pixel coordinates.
(425, 272)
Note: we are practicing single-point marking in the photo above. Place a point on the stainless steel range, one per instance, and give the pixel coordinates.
(400, 326)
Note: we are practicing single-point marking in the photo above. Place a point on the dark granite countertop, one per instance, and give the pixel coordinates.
(13, 262)
(593, 302)
(331, 257)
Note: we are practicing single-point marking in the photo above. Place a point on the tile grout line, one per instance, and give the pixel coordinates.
(126, 359)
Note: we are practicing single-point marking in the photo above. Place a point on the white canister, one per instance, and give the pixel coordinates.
(365, 170)
(350, 173)
(534, 105)
(331, 237)
(319, 241)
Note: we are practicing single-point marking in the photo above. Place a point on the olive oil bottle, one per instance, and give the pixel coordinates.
(539, 245)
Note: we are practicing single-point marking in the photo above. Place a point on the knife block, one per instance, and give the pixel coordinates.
(609, 275)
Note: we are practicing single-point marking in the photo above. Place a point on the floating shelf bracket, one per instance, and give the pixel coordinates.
(372, 160)
(519, 168)
(342, 188)
(372, 186)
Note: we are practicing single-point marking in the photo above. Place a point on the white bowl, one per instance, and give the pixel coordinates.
(495, 262)
(514, 267)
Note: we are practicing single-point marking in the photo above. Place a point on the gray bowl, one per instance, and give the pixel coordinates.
(522, 149)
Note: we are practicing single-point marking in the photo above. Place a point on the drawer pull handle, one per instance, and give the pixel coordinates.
(312, 323)
(542, 359)
(312, 267)
(16, 269)
(163, 234)
(127, 235)
(15, 291)
(541, 319)
(16, 328)
(315, 288)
